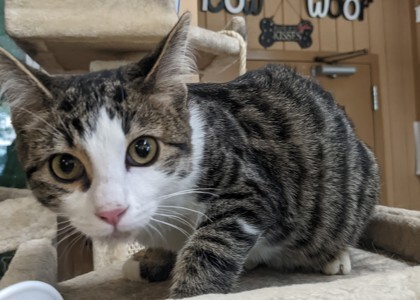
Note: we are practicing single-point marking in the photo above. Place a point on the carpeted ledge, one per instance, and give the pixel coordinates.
(35, 259)
(261, 283)
(374, 275)
(23, 219)
(397, 231)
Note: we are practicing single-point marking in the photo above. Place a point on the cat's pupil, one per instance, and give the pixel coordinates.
(143, 148)
(67, 163)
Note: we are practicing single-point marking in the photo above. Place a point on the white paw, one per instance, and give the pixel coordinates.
(340, 266)
(131, 270)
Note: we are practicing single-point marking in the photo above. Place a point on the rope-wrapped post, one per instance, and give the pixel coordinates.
(242, 47)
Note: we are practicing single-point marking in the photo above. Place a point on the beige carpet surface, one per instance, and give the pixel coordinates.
(108, 283)
(374, 276)
(23, 219)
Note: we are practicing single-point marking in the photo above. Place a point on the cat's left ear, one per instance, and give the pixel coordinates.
(173, 59)
(23, 88)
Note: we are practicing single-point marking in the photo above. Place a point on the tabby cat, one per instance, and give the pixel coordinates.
(212, 178)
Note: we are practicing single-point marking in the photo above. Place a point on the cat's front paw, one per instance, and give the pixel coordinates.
(341, 265)
(149, 264)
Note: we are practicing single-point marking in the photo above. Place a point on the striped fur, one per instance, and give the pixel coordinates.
(293, 169)
(266, 168)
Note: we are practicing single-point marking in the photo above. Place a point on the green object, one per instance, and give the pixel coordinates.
(5, 259)
(11, 173)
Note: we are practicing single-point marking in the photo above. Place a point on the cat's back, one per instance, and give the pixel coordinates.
(273, 99)
(298, 138)
(275, 112)
(268, 88)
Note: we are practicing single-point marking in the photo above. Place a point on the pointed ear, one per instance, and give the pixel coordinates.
(173, 59)
(21, 87)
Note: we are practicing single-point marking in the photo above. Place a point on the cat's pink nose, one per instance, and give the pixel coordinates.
(111, 216)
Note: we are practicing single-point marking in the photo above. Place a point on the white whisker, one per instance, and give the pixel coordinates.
(55, 130)
(185, 208)
(157, 230)
(63, 222)
(172, 225)
(66, 237)
(64, 229)
(66, 251)
(168, 211)
(186, 192)
(179, 219)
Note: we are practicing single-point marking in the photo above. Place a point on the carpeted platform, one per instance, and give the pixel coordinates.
(387, 271)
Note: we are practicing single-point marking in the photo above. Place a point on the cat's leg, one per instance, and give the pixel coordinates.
(213, 258)
(251, 264)
(340, 265)
(151, 264)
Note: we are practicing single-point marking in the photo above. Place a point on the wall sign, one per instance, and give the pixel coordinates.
(350, 9)
(247, 7)
(271, 33)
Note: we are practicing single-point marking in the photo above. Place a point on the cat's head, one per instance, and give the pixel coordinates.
(105, 148)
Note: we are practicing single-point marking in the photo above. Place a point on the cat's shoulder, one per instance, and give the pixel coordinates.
(270, 73)
(258, 78)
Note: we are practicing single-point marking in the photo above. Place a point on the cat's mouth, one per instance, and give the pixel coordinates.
(116, 234)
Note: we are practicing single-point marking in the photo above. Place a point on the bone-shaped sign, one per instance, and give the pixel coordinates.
(271, 32)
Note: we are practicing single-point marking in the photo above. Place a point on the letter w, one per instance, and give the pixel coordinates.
(319, 9)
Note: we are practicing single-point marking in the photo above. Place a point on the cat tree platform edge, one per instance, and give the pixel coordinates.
(389, 270)
(65, 36)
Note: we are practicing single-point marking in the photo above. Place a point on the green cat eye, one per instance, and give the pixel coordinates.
(142, 151)
(66, 167)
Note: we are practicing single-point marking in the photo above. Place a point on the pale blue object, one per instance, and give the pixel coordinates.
(30, 290)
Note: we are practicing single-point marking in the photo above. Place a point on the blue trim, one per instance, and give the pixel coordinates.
(177, 5)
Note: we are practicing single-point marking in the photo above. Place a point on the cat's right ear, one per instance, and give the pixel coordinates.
(21, 87)
(171, 64)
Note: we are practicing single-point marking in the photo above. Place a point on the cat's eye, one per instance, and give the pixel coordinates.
(142, 152)
(66, 167)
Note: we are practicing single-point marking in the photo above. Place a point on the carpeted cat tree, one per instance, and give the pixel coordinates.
(78, 36)
(51, 30)
(388, 270)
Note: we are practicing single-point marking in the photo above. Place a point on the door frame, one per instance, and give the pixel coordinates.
(378, 115)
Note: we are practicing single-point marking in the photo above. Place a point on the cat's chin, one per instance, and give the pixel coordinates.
(115, 235)
(120, 235)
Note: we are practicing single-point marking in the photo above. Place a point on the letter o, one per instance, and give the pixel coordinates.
(234, 10)
(346, 10)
